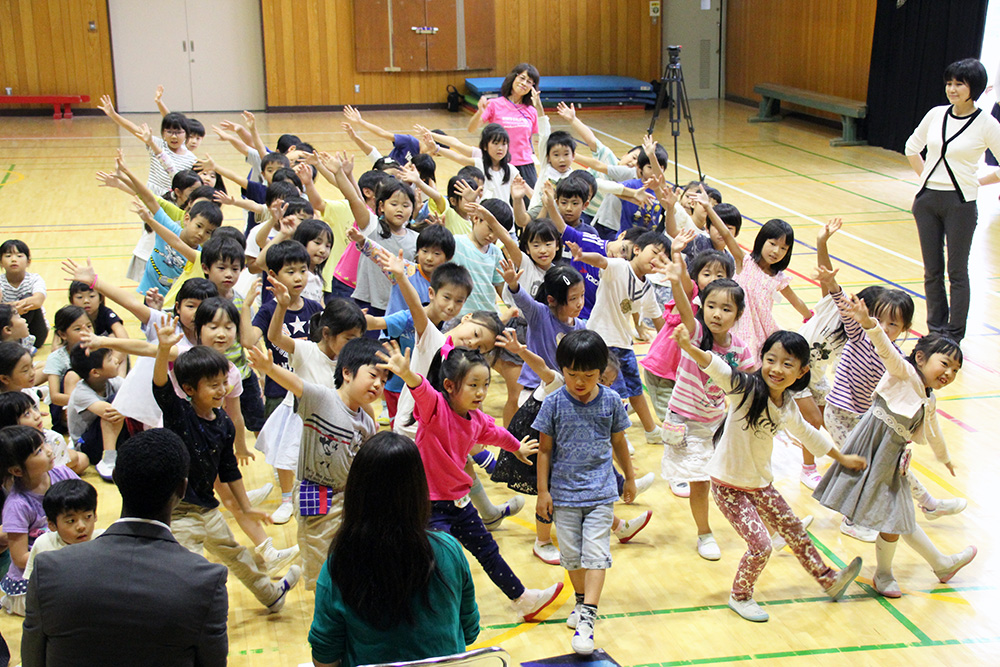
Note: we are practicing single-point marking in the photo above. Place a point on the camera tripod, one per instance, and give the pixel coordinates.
(673, 91)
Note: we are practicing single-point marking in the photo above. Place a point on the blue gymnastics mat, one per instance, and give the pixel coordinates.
(592, 89)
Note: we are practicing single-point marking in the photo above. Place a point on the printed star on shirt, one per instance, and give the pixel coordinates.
(297, 326)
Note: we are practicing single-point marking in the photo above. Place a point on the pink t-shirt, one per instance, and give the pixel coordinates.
(520, 121)
(445, 440)
(663, 355)
(696, 396)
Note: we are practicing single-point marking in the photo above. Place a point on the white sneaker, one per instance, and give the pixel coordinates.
(858, 532)
(748, 609)
(574, 616)
(655, 436)
(810, 477)
(643, 483)
(276, 560)
(680, 489)
(945, 508)
(547, 553)
(708, 548)
(285, 585)
(673, 434)
(583, 638)
(257, 496)
(778, 542)
(844, 579)
(962, 559)
(283, 514)
(533, 601)
(629, 529)
(106, 470)
(509, 508)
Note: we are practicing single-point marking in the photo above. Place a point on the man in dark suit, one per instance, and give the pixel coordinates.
(132, 596)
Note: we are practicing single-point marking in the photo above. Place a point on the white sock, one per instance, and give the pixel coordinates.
(286, 497)
(110, 456)
(919, 542)
(922, 495)
(884, 551)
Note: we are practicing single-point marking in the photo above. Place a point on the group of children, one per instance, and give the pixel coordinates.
(400, 294)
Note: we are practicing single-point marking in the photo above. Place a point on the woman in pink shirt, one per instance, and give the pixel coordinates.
(515, 111)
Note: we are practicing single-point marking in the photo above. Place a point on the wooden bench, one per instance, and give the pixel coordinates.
(849, 110)
(57, 102)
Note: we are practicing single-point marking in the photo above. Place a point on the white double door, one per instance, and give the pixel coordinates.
(208, 56)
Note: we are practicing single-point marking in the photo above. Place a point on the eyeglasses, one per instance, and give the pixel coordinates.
(174, 133)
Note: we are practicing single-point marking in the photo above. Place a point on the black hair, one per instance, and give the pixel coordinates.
(199, 363)
(582, 350)
(181, 181)
(970, 72)
(386, 162)
(174, 121)
(279, 190)
(195, 128)
(82, 360)
(451, 273)
(452, 191)
(754, 389)
(730, 216)
(472, 172)
(455, 367)
(202, 192)
(286, 252)
(501, 210)
(932, 344)
(577, 184)
(150, 468)
(544, 231)
(222, 248)
(661, 157)
(208, 210)
(560, 138)
(386, 510)
(310, 230)
(556, 283)
(633, 233)
(426, 167)
(65, 317)
(652, 238)
(494, 132)
(75, 287)
(774, 229)
(709, 257)
(338, 316)
(437, 236)
(15, 245)
(370, 180)
(209, 308)
(227, 232)
(285, 142)
(713, 195)
(356, 353)
(11, 353)
(17, 444)
(276, 157)
(220, 183)
(305, 147)
(733, 289)
(386, 190)
(507, 87)
(69, 495)
(287, 174)
(297, 204)
(870, 295)
(894, 302)
(13, 405)
(196, 288)
(7, 312)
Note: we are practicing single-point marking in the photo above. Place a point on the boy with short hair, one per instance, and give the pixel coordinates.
(617, 214)
(335, 426)
(624, 287)
(95, 427)
(581, 427)
(71, 510)
(209, 435)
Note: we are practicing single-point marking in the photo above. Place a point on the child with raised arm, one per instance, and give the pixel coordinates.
(208, 434)
(404, 146)
(335, 428)
(581, 427)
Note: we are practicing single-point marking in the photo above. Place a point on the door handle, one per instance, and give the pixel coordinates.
(184, 46)
(192, 46)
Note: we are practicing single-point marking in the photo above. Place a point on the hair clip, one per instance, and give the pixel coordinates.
(565, 280)
(447, 348)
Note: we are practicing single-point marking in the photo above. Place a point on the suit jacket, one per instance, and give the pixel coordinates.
(132, 596)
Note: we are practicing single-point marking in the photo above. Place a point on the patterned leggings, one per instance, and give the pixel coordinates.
(744, 510)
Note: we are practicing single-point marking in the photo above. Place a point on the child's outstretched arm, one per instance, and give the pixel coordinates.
(734, 248)
(362, 216)
(106, 179)
(365, 147)
(398, 363)
(123, 297)
(509, 244)
(158, 98)
(140, 189)
(108, 107)
(168, 335)
(518, 191)
(263, 362)
(174, 241)
(594, 259)
(224, 131)
(451, 142)
(797, 303)
(675, 271)
(276, 330)
(132, 346)
(683, 339)
(409, 174)
(255, 140)
(822, 250)
(568, 113)
(508, 341)
(208, 164)
(250, 334)
(393, 264)
(354, 116)
(477, 118)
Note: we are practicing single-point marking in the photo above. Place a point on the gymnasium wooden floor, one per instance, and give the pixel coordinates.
(663, 605)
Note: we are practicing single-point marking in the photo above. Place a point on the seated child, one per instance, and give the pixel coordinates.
(95, 427)
(71, 511)
(25, 291)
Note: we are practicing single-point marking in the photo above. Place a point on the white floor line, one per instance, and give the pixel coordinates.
(793, 212)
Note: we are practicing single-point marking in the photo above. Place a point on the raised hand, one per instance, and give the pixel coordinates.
(159, 94)
(466, 192)
(508, 341)
(106, 105)
(139, 209)
(281, 295)
(548, 193)
(511, 276)
(205, 164)
(154, 299)
(145, 134)
(829, 229)
(566, 111)
(575, 251)
(409, 174)
(484, 214)
(249, 120)
(827, 278)
(518, 187)
(682, 337)
(859, 311)
(355, 235)
(391, 263)
(482, 103)
(83, 274)
(683, 238)
(222, 134)
(352, 114)
(393, 359)
(260, 360)
(169, 333)
(223, 198)
(305, 174)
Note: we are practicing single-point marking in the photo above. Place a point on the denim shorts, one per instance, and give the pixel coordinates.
(628, 383)
(584, 536)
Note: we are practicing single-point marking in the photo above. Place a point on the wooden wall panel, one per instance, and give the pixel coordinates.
(47, 48)
(815, 44)
(560, 38)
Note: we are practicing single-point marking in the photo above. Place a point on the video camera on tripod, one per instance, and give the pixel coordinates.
(673, 91)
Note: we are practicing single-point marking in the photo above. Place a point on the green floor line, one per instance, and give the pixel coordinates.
(6, 175)
(849, 164)
(815, 180)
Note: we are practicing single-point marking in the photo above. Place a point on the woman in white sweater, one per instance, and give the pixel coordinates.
(955, 135)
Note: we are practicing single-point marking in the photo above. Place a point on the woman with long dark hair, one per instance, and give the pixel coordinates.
(955, 136)
(391, 590)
